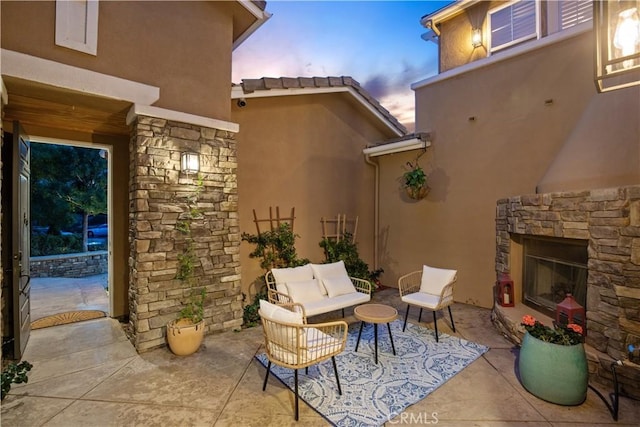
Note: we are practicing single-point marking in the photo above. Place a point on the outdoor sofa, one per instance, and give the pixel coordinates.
(318, 288)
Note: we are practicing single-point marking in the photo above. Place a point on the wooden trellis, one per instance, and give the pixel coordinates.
(274, 222)
(335, 229)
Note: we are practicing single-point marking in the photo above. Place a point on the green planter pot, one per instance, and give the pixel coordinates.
(555, 373)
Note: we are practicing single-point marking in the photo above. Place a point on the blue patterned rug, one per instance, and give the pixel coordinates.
(374, 394)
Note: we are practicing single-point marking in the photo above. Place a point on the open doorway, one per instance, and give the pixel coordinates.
(70, 232)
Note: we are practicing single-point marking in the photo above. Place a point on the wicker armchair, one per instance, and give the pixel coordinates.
(291, 343)
(430, 288)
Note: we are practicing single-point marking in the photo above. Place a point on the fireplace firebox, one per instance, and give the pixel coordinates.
(552, 269)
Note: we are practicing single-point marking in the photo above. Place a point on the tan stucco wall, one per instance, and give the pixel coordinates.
(516, 143)
(184, 48)
(305, 152)
(455, 38)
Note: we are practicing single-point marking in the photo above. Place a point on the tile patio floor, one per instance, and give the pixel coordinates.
(88, 374)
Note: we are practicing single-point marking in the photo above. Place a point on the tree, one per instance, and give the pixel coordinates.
(67, 180)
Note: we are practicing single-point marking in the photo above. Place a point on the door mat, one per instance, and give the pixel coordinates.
(68, 317)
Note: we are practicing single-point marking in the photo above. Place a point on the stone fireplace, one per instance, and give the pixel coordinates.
(607, 222)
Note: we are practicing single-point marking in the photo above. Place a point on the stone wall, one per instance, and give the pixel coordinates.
(158, 200)
(69, 265)
(609, 219)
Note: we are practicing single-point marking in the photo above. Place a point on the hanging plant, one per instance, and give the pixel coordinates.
(415, 181)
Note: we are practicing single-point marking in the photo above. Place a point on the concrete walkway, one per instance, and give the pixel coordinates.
(88, 374)
(54, 295)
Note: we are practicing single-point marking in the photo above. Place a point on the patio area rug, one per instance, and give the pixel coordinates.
(65, 318)
(374, 394)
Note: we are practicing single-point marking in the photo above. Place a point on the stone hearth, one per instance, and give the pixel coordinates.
(609, 220)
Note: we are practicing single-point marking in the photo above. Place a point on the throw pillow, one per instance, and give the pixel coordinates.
(434, 279)
(305, 291)
(337, 286)
(326, 271)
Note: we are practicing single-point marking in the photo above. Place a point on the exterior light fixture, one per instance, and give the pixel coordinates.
(617, 56)
(476, 37)
(190, 162)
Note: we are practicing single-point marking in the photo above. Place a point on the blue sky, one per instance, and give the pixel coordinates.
(376, 42)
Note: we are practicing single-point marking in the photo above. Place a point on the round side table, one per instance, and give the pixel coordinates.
(376, 314)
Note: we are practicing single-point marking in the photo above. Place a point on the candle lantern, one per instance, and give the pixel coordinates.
(505, 291)
(569, 311)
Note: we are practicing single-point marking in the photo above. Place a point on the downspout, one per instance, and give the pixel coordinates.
(376, 209)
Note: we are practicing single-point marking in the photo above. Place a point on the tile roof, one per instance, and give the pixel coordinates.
(269, 83)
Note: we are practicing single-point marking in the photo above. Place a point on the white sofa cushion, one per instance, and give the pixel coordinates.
(282, 276)
(434, 279)
(336, 303)
(337, 286)
(304, 291)
(329, 271)
(292, 274)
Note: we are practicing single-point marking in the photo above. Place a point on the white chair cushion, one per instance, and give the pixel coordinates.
(330, 304)
(421, 299)
(285, 338)
(337, 286)
(315, 345)
(327, 271)
(279, 314)
(304, 291)
(434, 279)
(319, 344)
(292, 274)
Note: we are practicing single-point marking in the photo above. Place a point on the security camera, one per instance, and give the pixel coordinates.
(242, 102)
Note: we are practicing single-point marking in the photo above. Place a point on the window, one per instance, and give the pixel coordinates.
(574, 12)
(514, 23)
(77, 25)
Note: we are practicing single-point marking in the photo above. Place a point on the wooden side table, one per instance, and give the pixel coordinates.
(375, 314)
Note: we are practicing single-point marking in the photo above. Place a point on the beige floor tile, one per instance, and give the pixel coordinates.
(88, 374)
(27, 411)
(100, 414)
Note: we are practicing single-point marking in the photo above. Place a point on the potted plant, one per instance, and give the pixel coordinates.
(552, 362)
(14, 373)
(185, 334)
(415, 181)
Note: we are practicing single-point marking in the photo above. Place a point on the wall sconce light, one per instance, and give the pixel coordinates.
(476, 37)
(617, 25)
(190, 162)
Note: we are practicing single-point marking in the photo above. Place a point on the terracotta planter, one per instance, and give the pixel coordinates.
(555, 373)
(184, 337)
(417, 193)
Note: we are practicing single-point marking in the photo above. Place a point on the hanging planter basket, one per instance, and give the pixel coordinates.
(418, 193)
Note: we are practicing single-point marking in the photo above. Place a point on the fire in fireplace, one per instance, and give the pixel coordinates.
(552, 269)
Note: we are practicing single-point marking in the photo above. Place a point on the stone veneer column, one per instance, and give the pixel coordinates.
(157, 198)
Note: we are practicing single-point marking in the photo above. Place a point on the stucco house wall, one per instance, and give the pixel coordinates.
(304, 151)
(523, 125)
(156, 43)
(161, 67)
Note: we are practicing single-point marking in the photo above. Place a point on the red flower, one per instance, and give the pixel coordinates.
(575, 328)
(528, 320)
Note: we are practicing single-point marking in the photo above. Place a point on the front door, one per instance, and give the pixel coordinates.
(20, 238)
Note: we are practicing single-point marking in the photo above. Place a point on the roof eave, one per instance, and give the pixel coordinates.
(416, 142)
(262, 16)
(237, 92)
(446, 12)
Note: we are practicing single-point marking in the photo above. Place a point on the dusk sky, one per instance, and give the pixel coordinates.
(376, 42)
